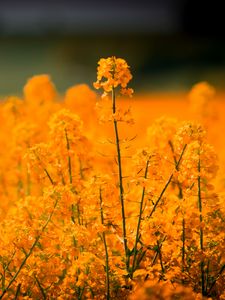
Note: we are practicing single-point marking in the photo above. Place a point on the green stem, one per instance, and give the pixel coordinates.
(161, 195)
(200, 207)
(207, 276)
(167, 183)
(183, 244)
(45, 170)
(41, 288)
(28, 184)
(139, 223)
(20, 184)
(121, 190)
(180, 196)
(216, 278)
(29, 252)
(160, 256)
(18, 291)
(81, 169)
(201, 229)
(49, 177)
(81, 292)
(69, 158)
(106, 251)
(159, 245)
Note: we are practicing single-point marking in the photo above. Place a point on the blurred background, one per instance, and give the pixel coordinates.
(169, 44)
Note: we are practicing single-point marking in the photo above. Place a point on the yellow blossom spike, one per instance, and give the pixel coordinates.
(113, 72)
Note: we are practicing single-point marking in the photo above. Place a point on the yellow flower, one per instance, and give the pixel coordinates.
(113, 72)
(39, 89)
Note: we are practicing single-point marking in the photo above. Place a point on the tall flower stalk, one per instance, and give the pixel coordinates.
(114, 73)
(106, 249)
(201, 230)
(139, 224)
(120, 178)
(180, 196)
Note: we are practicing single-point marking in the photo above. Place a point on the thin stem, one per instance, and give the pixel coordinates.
(18, 291)
(28, 184)
(121, 190)
(81, 169)
(106, 250)
(40, 287)
(201, 229)
(167, 183)
(200, 206)
(78, 214)
(161, 195)
(180, 194)
(181, 156)
(139, 222)
(69, 158)
(29, 252)
(160, 256)
(20, 184)
(49, 177)
(157, 253)
(45, 170)
(81, 292)
(207, 275)
(217, 277)
(70, 172)
(183, 244)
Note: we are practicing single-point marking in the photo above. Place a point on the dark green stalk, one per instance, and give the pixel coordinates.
(121, 190)
(18, 291)
(28, 184)
(216, 278)
(180, 196)
(201, 229)
(81, 292)
(207, 275)
(106, 251)
(6, 268)
(70, 172)
(69, 158)
(20, 184)
(160, 256)
(167, 183)
(183, 244)
(161, 195)
(139, 223)
(28, 253)
(49, 177)
(81, 169)
(200, 206)
(41, 288)
(157, 253)
(45, 170)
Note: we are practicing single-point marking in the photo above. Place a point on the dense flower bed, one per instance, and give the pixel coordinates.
(99, 201)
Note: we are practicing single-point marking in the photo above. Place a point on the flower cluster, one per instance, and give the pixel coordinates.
(109, 212)
(112, 73)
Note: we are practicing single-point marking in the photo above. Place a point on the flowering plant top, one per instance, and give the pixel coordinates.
(113, 72)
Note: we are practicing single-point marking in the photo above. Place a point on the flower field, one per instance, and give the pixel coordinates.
(107, 196)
